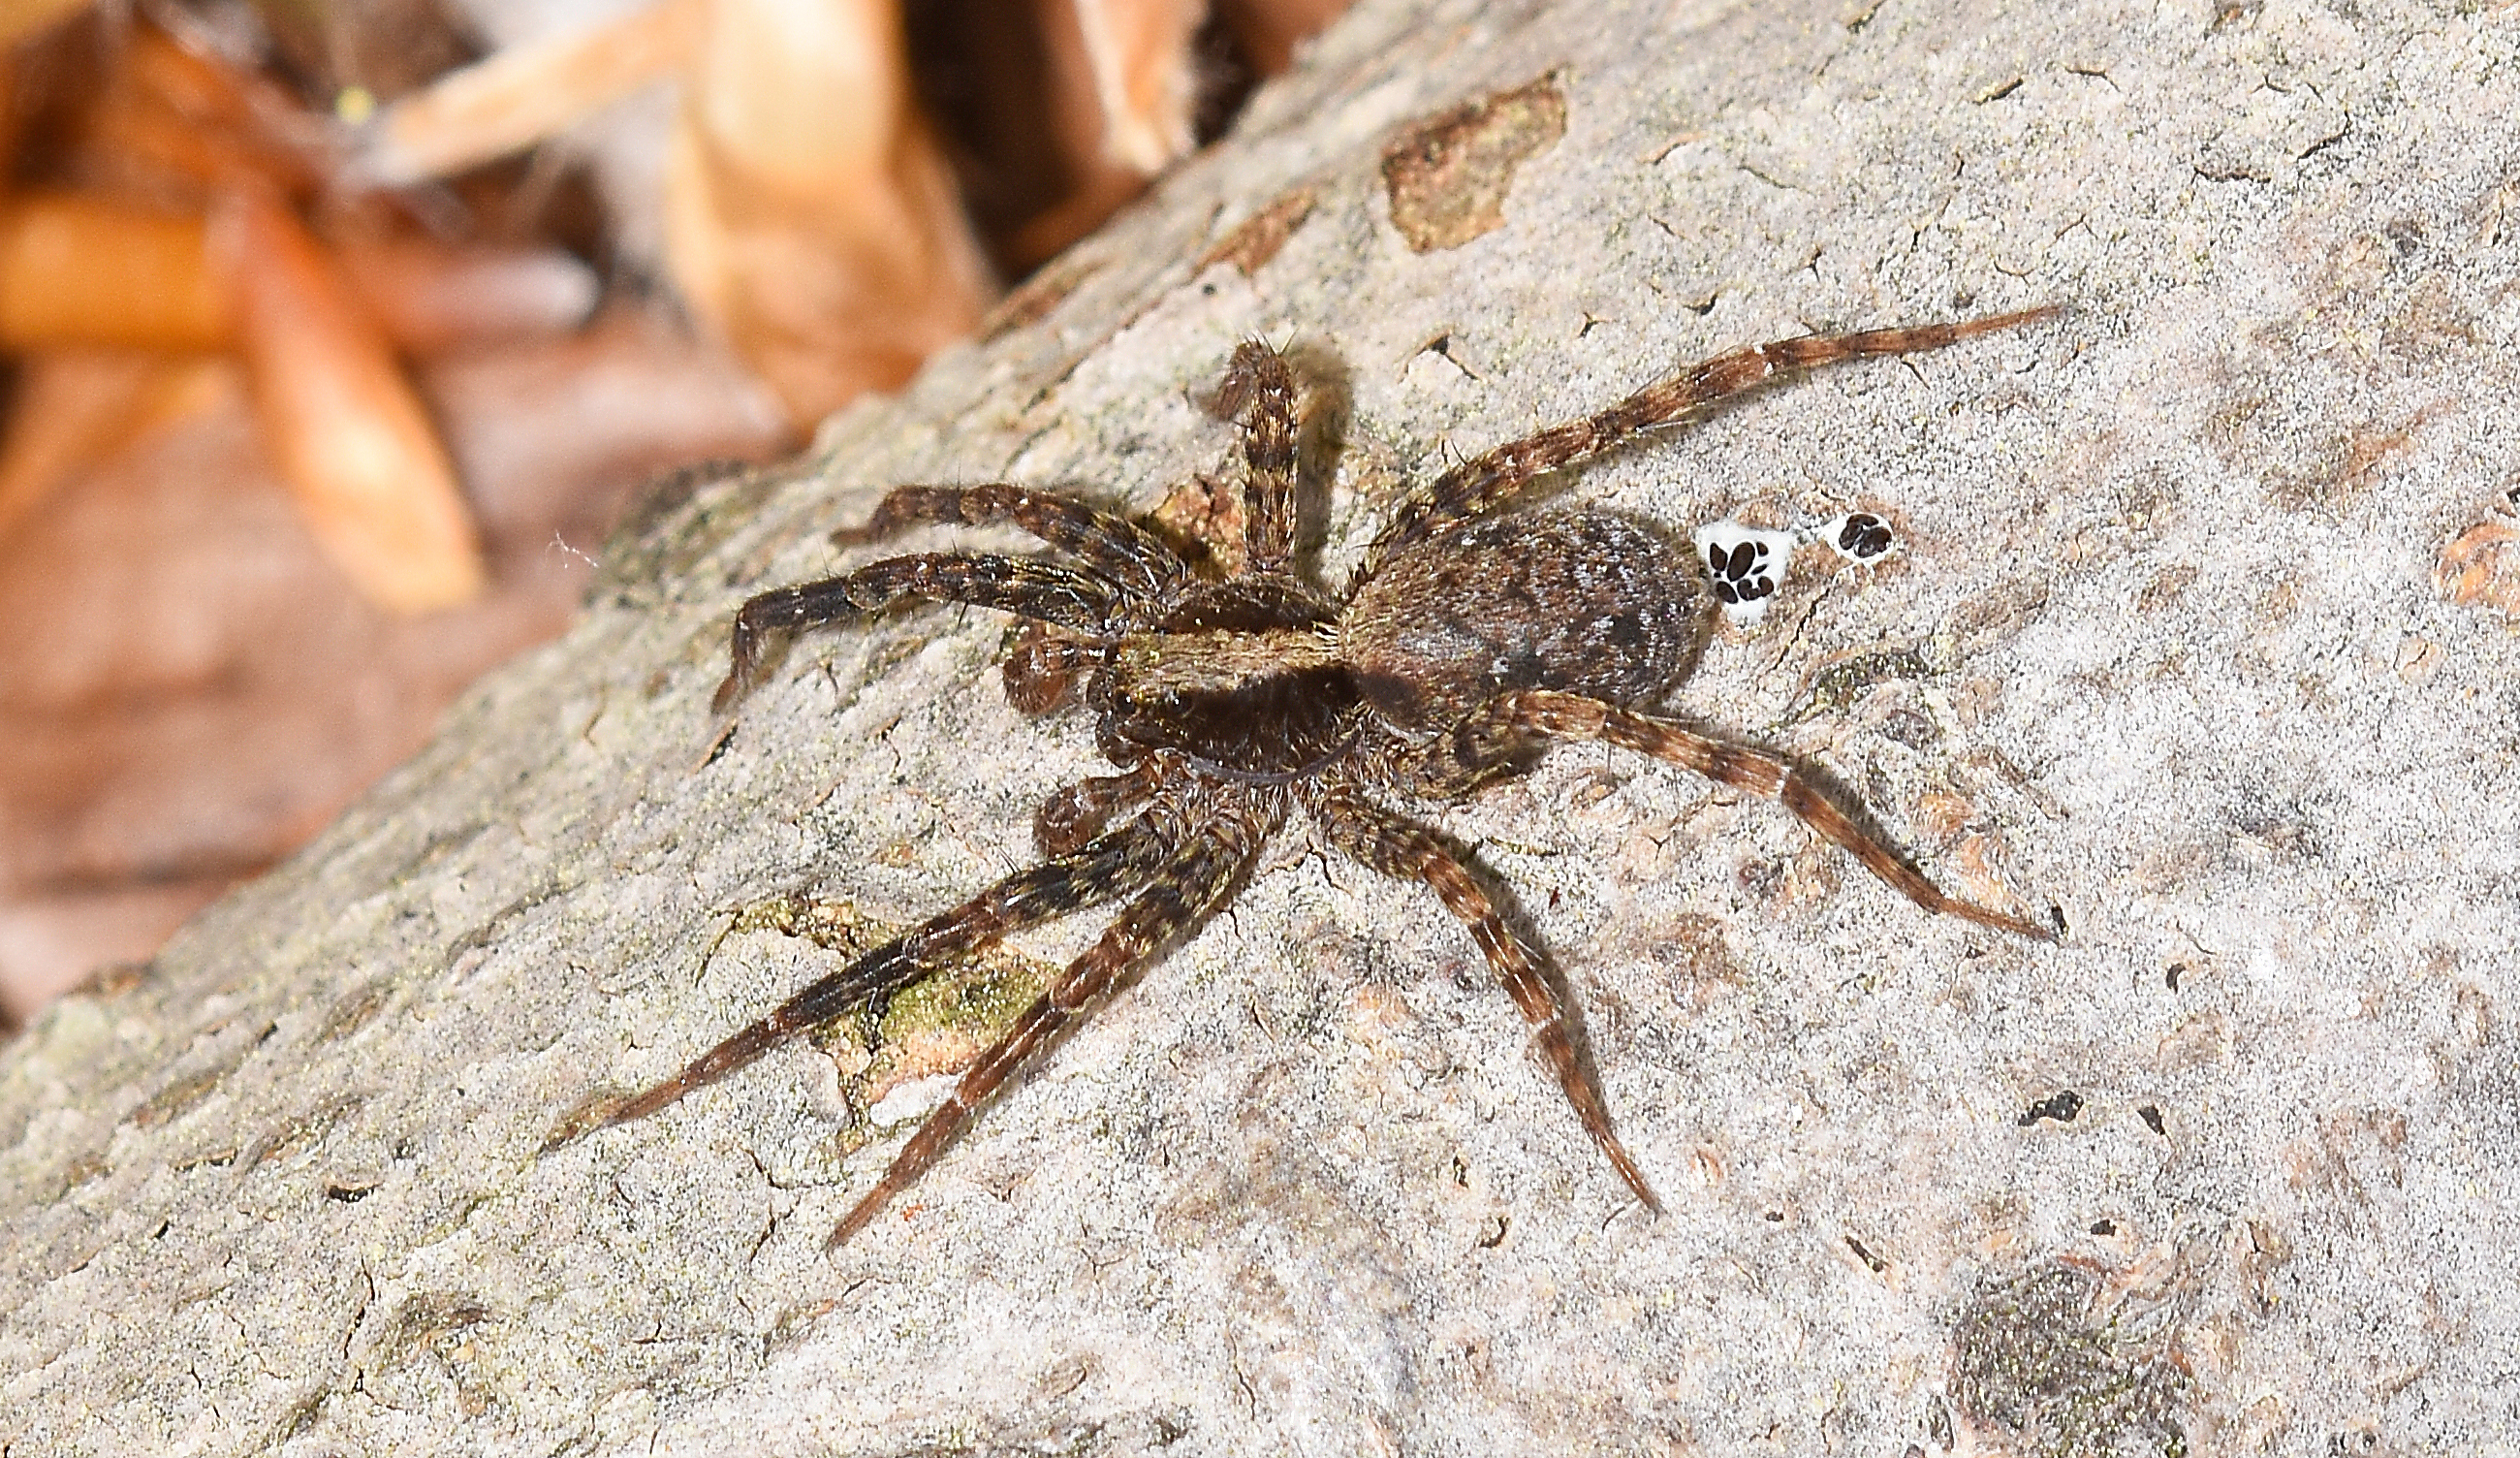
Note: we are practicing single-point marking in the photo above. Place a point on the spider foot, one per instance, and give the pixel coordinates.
(1626, 1164)
(861, 1215)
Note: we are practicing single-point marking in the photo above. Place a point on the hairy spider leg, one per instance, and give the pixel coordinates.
(1040, 669)
(1049, 591)
(1114, 866)
(1480, 485)
(1404, 850)
(1184, 892)
(1569, 716)
(1259, 391)
(1115, 547)
(1076, 813)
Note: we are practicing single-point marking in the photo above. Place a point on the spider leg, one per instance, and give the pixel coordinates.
(1112, 867)
(1259, 391)
(1114, 547)
(1045, 591)
(1041, 668)
(1407, 851)
(1078, 812)
(1480, 485)
(1181, 894)
(1511, 717)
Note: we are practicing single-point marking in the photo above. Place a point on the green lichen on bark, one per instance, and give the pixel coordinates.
(936, 1025)
(2031, 1356)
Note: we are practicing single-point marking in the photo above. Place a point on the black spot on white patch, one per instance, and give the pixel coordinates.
(1858, 536)
(1744, 565)
(1864, 535)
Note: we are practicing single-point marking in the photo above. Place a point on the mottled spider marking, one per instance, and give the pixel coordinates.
(1473, 637)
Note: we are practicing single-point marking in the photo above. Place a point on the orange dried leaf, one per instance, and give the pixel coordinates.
(76, 407)
(1047, 234)
(526, 94)
(80, 270)
(1144, 75)
(1076, 57)
(206, 89)
(13, 108)
(20, 18)
(809, 214)
(429, 295)
(72, 407)
(140, 144)
(240, 121)
(343, 425)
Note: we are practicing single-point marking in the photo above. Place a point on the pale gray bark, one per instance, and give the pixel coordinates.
(2164, 647)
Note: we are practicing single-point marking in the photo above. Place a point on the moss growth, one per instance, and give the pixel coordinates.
(1837, 685)
(934, 1026)
(2030, 1357)
(985, 998)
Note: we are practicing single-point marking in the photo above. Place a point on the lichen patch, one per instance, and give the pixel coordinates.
(1448, 174)
(2481, 567)
(1256, 240)
(2043, 1360)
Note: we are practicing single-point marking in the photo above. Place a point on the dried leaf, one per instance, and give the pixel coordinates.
(809, 214)
(428, 296)
(526, 94)
(81, 270)
(348, 433)
(72, 405)
(1140, 51)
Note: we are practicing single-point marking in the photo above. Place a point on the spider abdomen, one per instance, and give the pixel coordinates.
(1585, 602)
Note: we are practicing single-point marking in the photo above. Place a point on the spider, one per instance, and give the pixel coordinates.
(1473, 634)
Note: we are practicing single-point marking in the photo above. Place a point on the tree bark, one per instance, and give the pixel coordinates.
(2161, 646)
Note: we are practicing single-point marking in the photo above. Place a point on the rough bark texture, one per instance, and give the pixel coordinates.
(2229, 1168)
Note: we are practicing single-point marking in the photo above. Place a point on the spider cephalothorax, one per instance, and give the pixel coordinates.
(1471, 637)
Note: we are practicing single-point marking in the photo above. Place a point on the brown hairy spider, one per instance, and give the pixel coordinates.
(1471, 637)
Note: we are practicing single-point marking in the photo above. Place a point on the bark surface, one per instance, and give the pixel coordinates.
(2199, 629)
